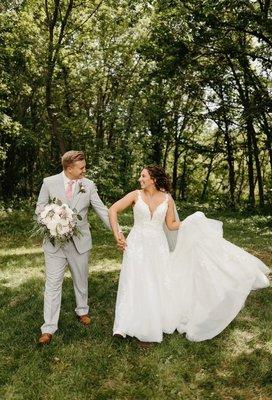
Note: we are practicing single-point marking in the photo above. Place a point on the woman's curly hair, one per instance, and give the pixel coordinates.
(161, 179)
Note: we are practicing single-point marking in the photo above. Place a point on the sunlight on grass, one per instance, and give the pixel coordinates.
(21, 251)
(242, 342)
(15, 278)
(89, 364)
(17, 272)
(105, 265)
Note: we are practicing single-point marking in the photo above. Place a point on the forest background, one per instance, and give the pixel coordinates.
(182, 84)
(186, 85)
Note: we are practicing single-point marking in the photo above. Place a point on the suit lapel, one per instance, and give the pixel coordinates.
(76, 196)
(60, 188)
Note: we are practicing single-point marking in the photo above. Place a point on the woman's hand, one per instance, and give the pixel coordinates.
(121, 241)
(170, 219)
(116, 208)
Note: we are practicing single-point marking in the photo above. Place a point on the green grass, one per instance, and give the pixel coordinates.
(90, 364)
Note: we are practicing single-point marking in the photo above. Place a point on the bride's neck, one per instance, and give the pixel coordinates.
(150, 191)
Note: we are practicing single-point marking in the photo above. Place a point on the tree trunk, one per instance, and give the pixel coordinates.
(241, 172)
(230, 160)
(251, 196)
(175, 170)
(252, 133)
(166, 151)
(245, 102)
(57, 141)
(183, 179)
(206, 180)
(268, 132)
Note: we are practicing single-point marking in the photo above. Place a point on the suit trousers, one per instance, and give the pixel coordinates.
(55, 265)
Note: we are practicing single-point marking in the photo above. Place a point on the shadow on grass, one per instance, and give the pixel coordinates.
(88, 363)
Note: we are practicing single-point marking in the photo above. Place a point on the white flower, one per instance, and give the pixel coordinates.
(51, 224)
(48, 212)
(43, 214)
(50, 207)
(82, 188)
(65, 222)
(53, 232)
(67, 214)
(64, 230)
(59, 219)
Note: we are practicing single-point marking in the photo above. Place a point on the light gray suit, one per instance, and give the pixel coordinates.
(74, 253)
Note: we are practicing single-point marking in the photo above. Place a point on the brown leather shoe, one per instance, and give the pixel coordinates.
(84, 319)
(45, 338)
(118, 335)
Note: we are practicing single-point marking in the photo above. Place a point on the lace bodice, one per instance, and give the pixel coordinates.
(143, 216)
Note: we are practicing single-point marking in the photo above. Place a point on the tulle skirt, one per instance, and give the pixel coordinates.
(197, 289)
(211, 278)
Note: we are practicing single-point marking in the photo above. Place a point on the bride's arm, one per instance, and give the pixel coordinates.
(170, 218)
(118, 207)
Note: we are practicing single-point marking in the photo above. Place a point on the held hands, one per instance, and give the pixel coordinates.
(121, 241)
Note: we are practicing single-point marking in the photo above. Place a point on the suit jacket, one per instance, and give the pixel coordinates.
(53, 187)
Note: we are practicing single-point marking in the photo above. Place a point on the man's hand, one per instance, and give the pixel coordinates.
(121, 241)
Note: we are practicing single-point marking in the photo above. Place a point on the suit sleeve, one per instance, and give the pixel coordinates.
(43, 199)
(99, 207)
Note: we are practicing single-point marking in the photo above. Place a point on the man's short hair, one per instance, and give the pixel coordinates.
(70, 157)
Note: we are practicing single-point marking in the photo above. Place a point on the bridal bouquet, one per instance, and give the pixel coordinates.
(58, 222)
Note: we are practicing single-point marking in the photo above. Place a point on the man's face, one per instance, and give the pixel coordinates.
(77, 170)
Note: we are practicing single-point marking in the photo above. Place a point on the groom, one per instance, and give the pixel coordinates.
(72, 188)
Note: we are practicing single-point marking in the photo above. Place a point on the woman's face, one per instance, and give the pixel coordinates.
(145, 179)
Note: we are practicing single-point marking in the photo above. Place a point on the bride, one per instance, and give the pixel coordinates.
(197, 288)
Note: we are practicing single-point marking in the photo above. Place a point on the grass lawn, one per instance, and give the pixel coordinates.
(88, 363)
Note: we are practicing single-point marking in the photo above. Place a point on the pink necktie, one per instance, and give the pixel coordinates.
(69, 190)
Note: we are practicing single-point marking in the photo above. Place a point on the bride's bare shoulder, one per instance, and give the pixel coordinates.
(130, 197)
(133, 194)
(170, 198)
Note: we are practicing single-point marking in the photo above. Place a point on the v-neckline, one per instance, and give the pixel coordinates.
(152, 214)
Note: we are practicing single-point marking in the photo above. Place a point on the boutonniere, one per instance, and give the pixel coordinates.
(82, 188)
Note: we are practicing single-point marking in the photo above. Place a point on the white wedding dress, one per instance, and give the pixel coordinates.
(197, 289)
